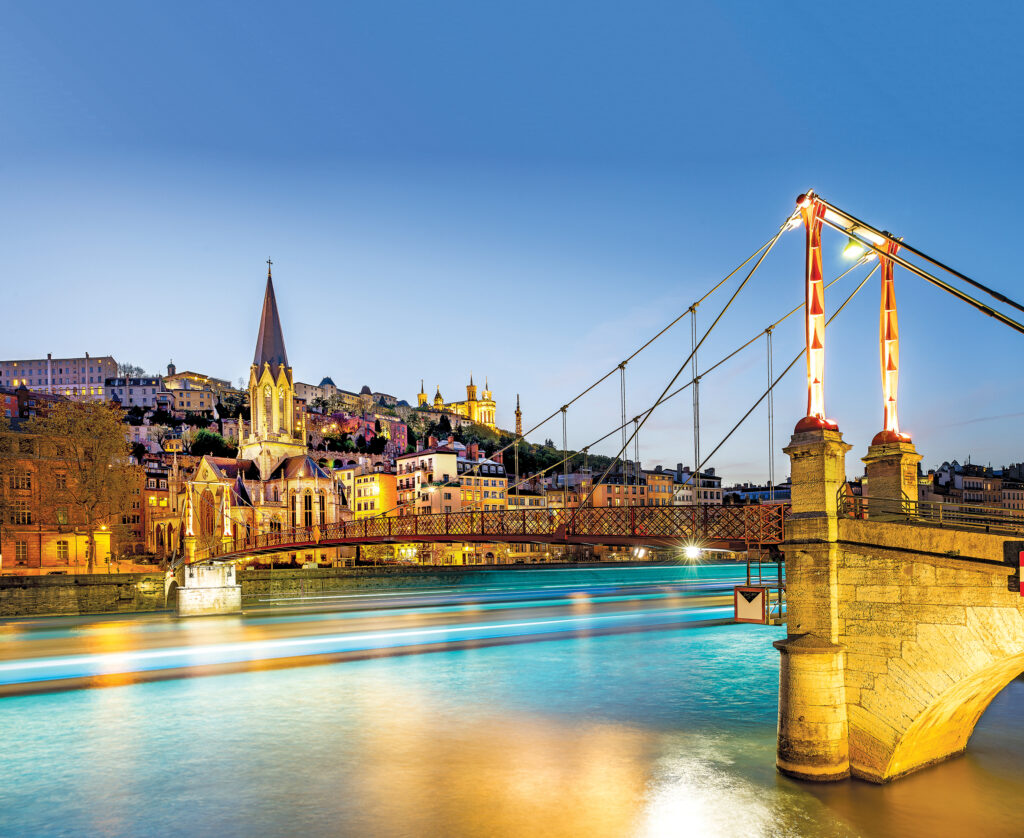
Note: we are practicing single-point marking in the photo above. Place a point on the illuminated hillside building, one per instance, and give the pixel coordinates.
(481, 410)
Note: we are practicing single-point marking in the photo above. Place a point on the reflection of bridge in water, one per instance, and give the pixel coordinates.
(714, 527)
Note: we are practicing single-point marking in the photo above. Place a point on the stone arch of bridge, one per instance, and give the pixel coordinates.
(944, 727)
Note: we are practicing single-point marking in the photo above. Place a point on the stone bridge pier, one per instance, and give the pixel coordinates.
(900, 633)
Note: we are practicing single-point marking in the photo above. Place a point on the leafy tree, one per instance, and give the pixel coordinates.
(445, 425)
(377, 445)
(83, 464)
(139, 451)
(207, 442)
(360, 443)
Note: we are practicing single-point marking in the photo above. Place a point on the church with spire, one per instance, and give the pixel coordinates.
(479, 408)
(273, 484)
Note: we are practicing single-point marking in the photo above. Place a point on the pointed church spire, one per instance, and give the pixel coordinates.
(270, 343)
(422, 388)
(471, 378)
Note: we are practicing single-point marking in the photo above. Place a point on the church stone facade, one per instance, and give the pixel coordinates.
(274, 484)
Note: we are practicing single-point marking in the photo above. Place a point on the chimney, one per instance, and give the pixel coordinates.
(498, 457)
(679, 468)
(450, 442)
(432, 442)
(472, 452)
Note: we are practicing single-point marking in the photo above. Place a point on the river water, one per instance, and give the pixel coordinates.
(651, 730)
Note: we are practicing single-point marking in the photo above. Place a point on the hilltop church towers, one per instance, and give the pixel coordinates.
(275, 430)
(481, 410)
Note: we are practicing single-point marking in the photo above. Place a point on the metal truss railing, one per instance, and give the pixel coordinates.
(955, 515)
(754, 524)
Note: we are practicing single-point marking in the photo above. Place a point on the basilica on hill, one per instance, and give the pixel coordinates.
(273, 484)
(480, 410)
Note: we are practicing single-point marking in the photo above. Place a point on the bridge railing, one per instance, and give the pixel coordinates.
(954, 515)
(758, 523)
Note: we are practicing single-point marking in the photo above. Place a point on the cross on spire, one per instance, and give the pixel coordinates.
(269, 263)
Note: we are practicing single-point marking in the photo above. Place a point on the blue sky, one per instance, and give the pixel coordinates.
(526, 190)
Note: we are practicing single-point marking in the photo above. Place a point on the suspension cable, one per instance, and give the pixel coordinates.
(904, 246)
(771, 417)
(787, 369)
(696, 387)
(711, 328)
(759, 254)
(679, 390)
(928, 277)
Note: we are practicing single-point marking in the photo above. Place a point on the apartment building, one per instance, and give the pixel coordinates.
(78, 378)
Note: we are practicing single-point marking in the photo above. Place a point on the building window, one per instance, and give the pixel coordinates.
(62, 516)
(307, 510)
(21, 550)
(22, 480)
(323, 510)
(62, 551)
(21, 514)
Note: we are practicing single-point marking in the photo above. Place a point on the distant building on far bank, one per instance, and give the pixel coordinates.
(76, 378)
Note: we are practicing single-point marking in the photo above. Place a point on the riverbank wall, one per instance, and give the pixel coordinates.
(56, 595)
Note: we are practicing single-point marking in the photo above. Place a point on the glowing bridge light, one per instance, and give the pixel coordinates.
(691, 552)
(853, 249)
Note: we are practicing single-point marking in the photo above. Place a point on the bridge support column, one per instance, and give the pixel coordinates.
(209, 589)
(813, 736)
(891, 469)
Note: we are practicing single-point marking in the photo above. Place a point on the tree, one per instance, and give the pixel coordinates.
(445, 425)
(126, 370)
(7, 452)
(83, 464)
(158, 433)
(378, 444)
(207, 442)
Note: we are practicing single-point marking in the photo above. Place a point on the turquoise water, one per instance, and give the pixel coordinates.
(646, 733)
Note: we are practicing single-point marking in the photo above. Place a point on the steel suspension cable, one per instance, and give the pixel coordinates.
(696, 387)
(963, 296)
(792, 363)
(774, 240)
(759, 254)
(771, 416)
(714, 366)
(904, 246)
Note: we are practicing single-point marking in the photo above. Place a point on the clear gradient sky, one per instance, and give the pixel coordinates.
(525, 190)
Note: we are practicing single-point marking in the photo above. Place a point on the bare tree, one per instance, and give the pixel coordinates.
(127, 370)
(83, 465)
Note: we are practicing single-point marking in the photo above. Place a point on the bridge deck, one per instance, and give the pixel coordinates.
(730, 527)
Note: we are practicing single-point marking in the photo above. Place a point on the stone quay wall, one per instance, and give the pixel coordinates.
(84, 593)
(100, 593)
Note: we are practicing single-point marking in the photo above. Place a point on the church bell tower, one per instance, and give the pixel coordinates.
(274, 431)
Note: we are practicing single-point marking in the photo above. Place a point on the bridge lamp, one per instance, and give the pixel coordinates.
(639, 552)
(853, 249)
(691, 552)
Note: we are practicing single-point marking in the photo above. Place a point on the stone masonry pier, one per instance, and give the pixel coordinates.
(900, 634)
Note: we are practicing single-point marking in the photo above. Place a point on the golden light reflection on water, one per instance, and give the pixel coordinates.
(515, 777)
